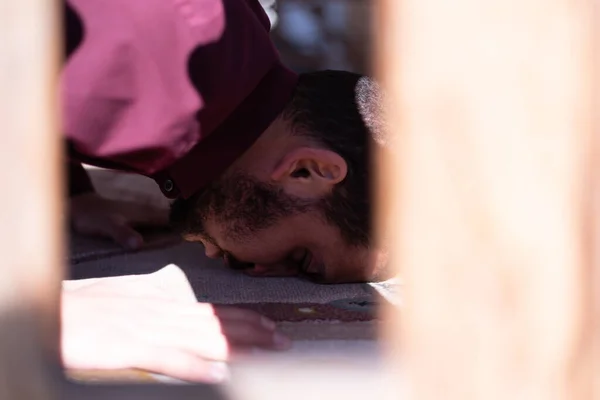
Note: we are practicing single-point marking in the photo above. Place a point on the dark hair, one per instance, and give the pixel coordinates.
(341, 110)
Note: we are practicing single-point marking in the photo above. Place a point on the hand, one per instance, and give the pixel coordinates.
(153, 322)
(91, 214)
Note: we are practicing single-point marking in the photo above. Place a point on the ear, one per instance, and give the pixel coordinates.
(310, 172)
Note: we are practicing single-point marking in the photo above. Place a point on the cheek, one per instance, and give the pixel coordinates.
(348, 265)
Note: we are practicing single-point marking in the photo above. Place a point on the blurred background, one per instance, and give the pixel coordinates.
(316, 34)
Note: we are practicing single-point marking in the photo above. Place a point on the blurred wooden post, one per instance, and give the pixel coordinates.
(491, 191)
(30, 211)
(594, 209)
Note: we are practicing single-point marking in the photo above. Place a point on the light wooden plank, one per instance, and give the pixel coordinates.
(594, 218)
(490, 192)
(30, 210)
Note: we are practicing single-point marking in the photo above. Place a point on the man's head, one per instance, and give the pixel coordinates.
(299, 200)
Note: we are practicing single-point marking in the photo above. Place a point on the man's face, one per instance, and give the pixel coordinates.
(259, 228)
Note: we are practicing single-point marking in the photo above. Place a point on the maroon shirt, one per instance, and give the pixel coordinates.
(175, 90)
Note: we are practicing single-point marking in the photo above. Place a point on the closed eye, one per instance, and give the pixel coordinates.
(234, 263)
(316, 277)
(304, 262)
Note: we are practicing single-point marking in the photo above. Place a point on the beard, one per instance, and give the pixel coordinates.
(243, 206)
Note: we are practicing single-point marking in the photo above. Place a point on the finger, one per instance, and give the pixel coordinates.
(143, 215)
(183, 365)
(249, 328)
(226, 313)
(89, 226)
(157, 217)
(123, 234)
(244, 334)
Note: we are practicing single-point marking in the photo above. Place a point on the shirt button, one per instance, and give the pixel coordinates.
(168, 186)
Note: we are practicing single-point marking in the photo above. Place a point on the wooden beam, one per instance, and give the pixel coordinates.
(31, 242)
(593, 365)
(490, 189)
(30, 211)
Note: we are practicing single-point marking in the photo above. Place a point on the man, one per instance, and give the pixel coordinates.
(267, 169)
